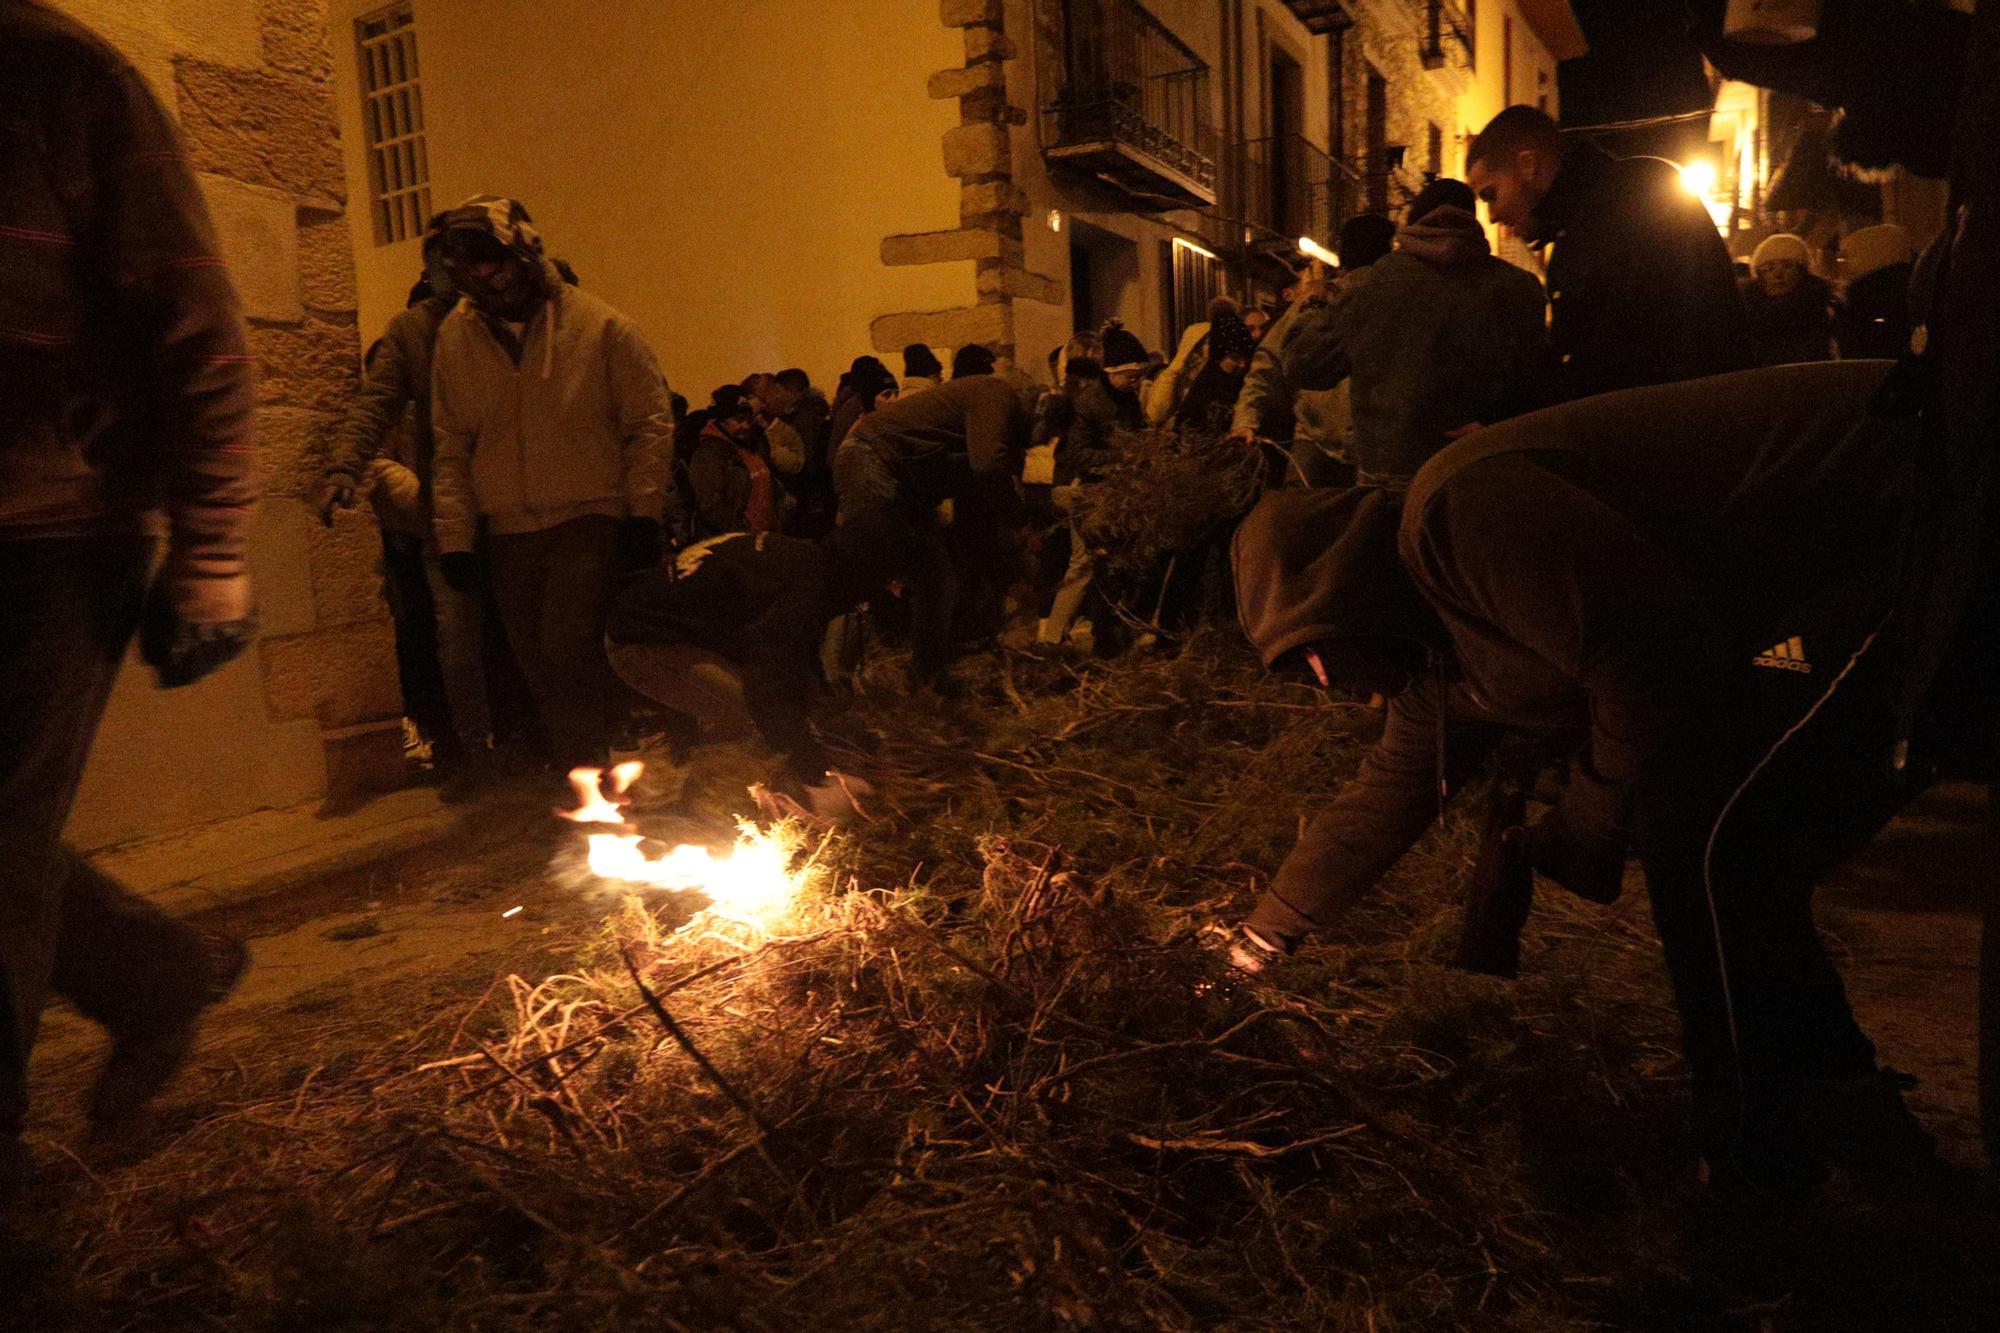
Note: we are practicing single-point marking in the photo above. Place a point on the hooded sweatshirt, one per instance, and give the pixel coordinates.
(1674, 575)
(572, 419)
(1435, 336)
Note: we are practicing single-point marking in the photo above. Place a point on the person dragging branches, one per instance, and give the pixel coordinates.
(1696, 579)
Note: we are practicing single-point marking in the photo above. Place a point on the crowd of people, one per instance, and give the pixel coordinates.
(1636, 514)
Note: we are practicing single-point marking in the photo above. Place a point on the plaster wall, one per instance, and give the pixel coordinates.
(724, 174)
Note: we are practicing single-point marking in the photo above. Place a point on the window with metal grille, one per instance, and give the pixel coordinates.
(1194, 278)
(392, 122)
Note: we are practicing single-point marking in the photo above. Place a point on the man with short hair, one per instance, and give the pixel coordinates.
(1641, 288)
(553, 429)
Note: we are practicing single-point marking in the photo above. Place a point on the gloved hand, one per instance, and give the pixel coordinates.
(338, 493)
(460, 570)
(191, 626)
(1590, 863)
(639, 547)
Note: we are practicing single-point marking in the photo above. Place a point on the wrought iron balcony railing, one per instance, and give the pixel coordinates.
(1123, 97)
(1293, 188)
(1447, 36)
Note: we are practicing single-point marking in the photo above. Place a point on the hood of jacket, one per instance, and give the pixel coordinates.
(1321, 565)
(1444, 235)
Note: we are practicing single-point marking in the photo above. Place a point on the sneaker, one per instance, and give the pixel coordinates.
(145, 1058)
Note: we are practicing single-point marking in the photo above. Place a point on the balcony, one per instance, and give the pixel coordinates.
(1126, 100)
(1322, 16)
(1446, 39)
(1292, 188)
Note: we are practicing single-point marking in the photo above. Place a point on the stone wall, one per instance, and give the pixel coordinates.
(314, 708)
(978, 152)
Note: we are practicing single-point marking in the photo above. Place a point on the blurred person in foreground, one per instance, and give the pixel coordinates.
(127, 401)
(1691, 583)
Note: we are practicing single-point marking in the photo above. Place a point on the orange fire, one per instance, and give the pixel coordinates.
(752, 884)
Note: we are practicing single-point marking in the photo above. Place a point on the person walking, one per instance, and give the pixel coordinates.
(127, 396)
(1437, 338)
(1641, 288)
(553, 425)
(384, 448)
(1789, 308)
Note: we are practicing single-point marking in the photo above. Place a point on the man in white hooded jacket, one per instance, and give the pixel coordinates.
(553, 426)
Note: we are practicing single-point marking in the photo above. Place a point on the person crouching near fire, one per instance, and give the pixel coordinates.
(733, 628)
(1695, 578)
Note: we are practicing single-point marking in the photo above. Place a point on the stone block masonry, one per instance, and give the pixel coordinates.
(978, 153)
(315, 709)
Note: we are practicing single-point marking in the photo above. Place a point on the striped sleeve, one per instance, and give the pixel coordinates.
(171, 291)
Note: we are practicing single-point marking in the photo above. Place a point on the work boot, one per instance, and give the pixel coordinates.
(146, 1056)
(1862, 1123)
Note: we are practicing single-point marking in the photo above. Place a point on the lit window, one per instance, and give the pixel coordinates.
(392, 122)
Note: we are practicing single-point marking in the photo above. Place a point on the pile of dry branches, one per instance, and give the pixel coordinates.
(993, 1072)
(1166, 491)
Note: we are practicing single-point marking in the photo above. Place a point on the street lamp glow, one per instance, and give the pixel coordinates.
(1314, 250)
(1698, 178)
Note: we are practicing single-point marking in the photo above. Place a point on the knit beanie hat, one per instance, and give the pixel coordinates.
(1779, 247)
(1122, 349)
(1871, 249)
(919, 362)
(972, 359)
(1230, 336)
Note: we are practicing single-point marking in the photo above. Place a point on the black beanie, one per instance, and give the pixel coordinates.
(919, 362)
(1122, 347)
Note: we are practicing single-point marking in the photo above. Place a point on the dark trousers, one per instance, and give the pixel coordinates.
(68, 608)
(1766, 1012)
(867, 485)
(419, 668)
(553, 588)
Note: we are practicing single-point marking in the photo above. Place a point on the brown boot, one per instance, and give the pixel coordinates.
(145, 1058)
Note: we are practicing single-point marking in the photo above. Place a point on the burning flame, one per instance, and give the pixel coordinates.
(752, 884)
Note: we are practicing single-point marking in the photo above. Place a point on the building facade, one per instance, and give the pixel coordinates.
(794, 184)
(313, 708)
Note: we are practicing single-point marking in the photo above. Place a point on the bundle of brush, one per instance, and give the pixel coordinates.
(1167, 490)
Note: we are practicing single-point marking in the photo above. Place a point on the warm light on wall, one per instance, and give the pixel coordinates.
(1190, 245)
(1055, 219)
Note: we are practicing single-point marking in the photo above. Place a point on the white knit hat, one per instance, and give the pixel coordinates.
(1777, 247)
(1868, 249)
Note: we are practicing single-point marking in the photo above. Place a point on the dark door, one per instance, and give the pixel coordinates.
(1288, 124)
(1377, 147)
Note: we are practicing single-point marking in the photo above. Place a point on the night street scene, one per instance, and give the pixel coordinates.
(999, 665)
